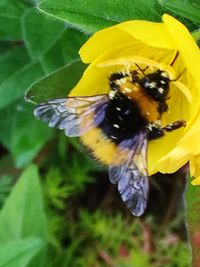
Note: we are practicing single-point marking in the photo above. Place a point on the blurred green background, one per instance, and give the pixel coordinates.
(57, 206)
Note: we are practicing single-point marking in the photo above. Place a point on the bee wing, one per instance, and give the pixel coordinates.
(74, 115)
(129, 171)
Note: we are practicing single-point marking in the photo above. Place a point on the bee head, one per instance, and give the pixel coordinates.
(156, 84)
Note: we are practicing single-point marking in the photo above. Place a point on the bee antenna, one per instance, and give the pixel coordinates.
(178, 77)
(171, 64)
(140, 69)
(174, 59)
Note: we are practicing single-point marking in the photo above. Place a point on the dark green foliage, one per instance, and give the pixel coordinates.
(187, 9)
(90, 16)
(63, 80)
(5, 187)
(62, 211)
(38, 42)
(10, 16)
(21, 135)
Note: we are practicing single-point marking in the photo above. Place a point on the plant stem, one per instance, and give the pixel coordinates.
(192, 196)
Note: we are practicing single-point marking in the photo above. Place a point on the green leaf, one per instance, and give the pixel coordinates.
(10, 13)
(22, 215)
(40, 32)
(91, 16)
(24, 146)
(86, 23)
(12, 61)
(6, 165)
(6, 125)
(5, 46)
(18, 126)
(16, 85)
(57, 84)
(10, 29)
(187, 9)
(64, 51)
(17, 74)
(19, 253)
(53, 59)
(11, 8)
(71, 42)
(5, 187)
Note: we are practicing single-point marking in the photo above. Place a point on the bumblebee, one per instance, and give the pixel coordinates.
(116, 127)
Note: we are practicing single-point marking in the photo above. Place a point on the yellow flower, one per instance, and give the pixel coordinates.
(154, 45)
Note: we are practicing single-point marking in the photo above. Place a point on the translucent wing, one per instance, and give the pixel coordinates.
(74, 115)
(129, 171)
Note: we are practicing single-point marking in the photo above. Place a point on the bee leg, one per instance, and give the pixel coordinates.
(174, 125)
(163, 107)
(156, 130)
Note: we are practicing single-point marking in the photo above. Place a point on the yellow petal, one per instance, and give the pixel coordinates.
(196, 181)
(186, 45)
(190, 54)
(195, 169)
(151, 33)
(184, 89)
(102, 41)
(192, 144)
(171, 162)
